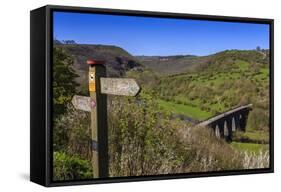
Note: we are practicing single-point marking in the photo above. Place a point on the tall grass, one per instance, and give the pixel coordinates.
(143, 141)
(256, 160)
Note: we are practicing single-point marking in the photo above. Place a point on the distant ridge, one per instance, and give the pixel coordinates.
(118, 60)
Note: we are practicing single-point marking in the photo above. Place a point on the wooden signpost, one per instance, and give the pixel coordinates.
(119, 86)
(82, 103)
(99, 86)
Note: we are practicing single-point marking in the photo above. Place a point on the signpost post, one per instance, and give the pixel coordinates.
(98, 120)
(99, 86)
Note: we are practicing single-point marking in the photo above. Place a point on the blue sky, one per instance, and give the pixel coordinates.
(159, 36)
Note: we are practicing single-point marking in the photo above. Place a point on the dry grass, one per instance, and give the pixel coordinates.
(208, 152)
(256, 161)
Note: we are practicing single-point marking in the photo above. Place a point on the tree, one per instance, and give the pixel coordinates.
(63, 81)
(258, 48)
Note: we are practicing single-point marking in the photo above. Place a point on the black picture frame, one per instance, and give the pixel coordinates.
(41, 41)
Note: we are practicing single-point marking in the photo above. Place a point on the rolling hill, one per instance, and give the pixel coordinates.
(118, 61)
(225, 80)
(173, 77)
(175, 64)
(212, 86)
(172, 65)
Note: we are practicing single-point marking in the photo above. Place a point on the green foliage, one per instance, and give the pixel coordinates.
(70, 167)
(71, 133)
(178, 107)
(144, 137)
(143, 141)
(252, 136)
(140, 142)
(70, 130)
(250, 147)
(232, 78)
(258, 119)
(63, 81)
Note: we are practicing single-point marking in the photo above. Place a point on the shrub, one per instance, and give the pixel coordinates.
(64, 83)
(143, 141)
(70, 167)
(258, 119)
(72, 134)
(206, 152)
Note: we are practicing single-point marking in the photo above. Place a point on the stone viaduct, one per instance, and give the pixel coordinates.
(228, 122)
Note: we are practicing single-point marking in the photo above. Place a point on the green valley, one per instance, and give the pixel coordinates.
(154, 133)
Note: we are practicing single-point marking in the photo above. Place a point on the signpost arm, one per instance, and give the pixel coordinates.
(98, 120)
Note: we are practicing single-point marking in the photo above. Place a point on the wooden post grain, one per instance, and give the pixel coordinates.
(98, 120)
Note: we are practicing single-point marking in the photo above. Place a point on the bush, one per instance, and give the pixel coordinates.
(258, 120)
(70, 167)
(72, 134)
(64, 83)
(207, 153)
(143, 141)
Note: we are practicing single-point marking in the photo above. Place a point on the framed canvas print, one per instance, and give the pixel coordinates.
(120, 95)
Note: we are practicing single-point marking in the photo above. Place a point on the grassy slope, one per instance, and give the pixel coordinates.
(191, 91)
(173, 64)
(187, 110)
(250, 147)
(198, 87)
(217, 88)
